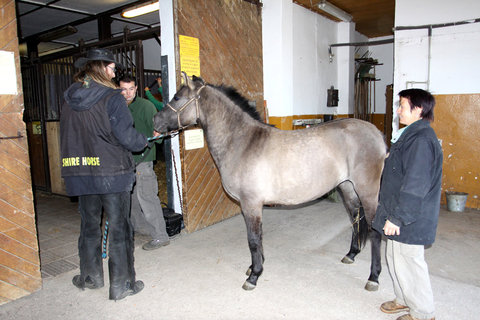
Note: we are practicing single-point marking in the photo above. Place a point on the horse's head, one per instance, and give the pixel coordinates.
(182, 110)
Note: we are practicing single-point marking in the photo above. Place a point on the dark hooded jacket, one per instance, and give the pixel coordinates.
(411, 186)
(96, 140)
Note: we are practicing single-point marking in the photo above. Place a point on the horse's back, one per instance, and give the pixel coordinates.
(342, 135)
(319, 157)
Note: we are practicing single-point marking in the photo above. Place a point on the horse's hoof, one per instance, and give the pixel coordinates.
(248, 286)
(371, 286)
(249, 272)
(347, 260)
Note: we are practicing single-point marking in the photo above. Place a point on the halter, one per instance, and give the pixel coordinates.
(195, 98)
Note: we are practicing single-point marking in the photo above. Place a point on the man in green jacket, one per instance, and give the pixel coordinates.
(147, 213)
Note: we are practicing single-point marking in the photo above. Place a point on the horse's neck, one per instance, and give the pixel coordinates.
(226, 126)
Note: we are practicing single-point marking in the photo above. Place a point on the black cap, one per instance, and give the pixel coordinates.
(98, 55)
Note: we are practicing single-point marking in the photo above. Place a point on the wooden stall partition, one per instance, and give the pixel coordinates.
(57, 184)
(230, 38)
(19, 258)
(456, 125)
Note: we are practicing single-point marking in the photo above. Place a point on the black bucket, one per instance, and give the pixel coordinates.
(173, 221)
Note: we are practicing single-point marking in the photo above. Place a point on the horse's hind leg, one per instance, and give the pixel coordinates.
(253, 221)
(369, 203)
(353, 205)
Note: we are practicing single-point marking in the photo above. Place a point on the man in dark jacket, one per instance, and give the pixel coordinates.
(96, 140)
(409, 203)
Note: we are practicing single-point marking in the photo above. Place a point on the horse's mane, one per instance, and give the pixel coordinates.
(240, 101)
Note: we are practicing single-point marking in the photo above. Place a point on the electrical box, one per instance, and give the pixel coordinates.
(332, 97)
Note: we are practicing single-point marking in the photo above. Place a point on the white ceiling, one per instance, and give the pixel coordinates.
(41, 16)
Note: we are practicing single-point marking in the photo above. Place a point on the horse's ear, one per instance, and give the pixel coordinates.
(187, 81)
(195, 79)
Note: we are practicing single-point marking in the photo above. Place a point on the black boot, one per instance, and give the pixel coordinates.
(88, 282)
(118, 293)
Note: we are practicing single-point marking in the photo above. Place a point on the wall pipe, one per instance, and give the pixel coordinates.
(439, 25)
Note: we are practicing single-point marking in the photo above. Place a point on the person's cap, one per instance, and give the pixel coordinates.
(99, 55)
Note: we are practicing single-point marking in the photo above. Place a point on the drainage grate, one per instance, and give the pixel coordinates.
(58, 267)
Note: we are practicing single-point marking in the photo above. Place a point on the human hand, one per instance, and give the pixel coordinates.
(147, 89)
(391, 229)
(159, 81)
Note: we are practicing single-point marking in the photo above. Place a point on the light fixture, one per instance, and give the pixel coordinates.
(334, 11)
(141, 9)
(57, 33)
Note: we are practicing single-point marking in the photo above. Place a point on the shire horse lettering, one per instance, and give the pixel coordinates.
(262, 165)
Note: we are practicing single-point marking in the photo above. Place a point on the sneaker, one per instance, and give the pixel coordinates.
(88, 283)
(155, 244)
(393, 307)
(129, 291)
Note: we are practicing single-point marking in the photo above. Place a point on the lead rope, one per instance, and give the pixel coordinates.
(176, 178)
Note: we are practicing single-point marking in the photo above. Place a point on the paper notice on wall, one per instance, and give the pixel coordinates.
(189, 55)
(36, 127)
(194, 139)
(8, 80)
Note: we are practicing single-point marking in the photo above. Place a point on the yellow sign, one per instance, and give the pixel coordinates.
(189, 55)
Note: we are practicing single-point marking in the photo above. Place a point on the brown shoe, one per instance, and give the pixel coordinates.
(393, 307)
(410, 317)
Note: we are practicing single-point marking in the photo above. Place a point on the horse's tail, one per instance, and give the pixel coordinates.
(360, 227)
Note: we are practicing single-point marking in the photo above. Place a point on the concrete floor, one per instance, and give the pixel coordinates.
(199, 275)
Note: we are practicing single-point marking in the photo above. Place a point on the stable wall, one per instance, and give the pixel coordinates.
(230, 39)
(451, 72)
(19, 258)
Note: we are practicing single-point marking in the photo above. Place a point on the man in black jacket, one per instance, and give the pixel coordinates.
(409, 204)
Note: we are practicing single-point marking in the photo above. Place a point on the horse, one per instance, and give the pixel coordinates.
(262, 165)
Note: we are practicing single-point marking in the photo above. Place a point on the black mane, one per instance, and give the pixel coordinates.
(240, 101)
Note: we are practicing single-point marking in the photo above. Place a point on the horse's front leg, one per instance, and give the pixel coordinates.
(376, 262)
(253, 221)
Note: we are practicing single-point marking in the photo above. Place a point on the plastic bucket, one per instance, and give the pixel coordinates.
(456, 201)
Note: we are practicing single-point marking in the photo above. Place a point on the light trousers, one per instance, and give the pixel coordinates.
(411, 281)
(147, 213)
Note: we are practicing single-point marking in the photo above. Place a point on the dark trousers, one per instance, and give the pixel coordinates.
(120, 239)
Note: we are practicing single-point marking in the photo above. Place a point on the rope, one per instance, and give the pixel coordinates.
(357, 222)
(176, 178)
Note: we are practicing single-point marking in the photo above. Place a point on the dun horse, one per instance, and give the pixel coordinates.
(262, 165)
